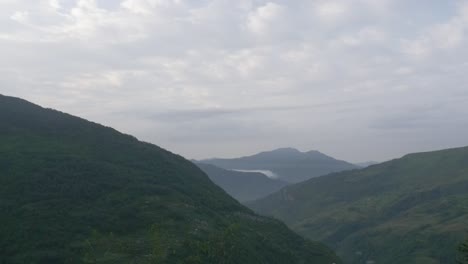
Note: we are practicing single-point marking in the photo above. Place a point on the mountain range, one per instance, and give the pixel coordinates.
(288, 164)
(73, 191)
(408, 210)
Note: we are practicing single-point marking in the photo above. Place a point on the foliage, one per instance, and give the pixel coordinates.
(463, 252)
(72, 191)
(408, 210)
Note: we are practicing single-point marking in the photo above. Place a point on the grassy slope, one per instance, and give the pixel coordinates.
(72, 191)
(409, 210)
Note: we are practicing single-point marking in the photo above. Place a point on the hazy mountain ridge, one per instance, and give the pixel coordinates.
(408, 210)
(366, 164)
(244, 186)
(288, 163)
(73, 191)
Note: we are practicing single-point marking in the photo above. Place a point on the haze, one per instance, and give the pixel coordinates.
(356, 79)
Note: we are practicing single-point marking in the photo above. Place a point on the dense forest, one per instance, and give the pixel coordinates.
(463, 252)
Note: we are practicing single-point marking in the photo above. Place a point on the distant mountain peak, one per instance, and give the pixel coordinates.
(286, 150)
(315, 154)
(279, 153)
(314, 151)
(290, 150)
(288, 163)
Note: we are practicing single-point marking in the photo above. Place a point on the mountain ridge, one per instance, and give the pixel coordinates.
(407, 210)
(73, 191)
(289, 164)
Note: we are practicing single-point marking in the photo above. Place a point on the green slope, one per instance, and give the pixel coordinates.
(72, 191)
(244, 186)
(463, 252)
(409, 210)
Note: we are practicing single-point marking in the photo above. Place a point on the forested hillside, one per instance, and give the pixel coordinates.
(72, 191)
(409, 210)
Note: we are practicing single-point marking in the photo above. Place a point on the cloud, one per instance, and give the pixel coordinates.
(262, 20)
(250, 75)
(446, 36)
(20, 16)
(267, 173)
(147, 7)
(194, 115)
(55, 4)
(331, 11)
(367, 35)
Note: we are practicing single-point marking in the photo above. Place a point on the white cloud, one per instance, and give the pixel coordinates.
(262, 20)
(20, 16)
(447, 36)
(55, 4)
(147, 7)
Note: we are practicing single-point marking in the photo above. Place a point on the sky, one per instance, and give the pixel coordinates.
(358, 80)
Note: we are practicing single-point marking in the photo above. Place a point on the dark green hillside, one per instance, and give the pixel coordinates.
(244, 186)
(288, 164)
(409, 210)
(463, 252)
(72, 191)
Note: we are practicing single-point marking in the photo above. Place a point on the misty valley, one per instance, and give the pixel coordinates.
(233, 132)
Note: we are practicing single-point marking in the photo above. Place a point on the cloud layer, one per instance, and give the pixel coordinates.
(357, 79)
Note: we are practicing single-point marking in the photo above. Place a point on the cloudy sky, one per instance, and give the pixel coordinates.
(356, 79)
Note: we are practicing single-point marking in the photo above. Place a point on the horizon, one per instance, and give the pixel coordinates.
(360, 80)
(338, 158)
(262, 151)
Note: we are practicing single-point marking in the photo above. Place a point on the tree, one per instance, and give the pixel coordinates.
(463, 253)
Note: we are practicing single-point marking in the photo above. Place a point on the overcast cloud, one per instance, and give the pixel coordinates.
(356, 79)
